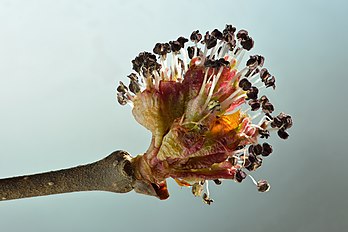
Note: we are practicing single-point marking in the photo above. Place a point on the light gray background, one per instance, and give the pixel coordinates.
(60, 62)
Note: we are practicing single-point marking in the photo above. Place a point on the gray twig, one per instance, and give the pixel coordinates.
(114, 174)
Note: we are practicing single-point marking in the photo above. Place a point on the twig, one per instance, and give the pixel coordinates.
(114, 174)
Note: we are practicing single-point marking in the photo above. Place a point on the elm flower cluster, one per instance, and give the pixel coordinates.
(204, 110)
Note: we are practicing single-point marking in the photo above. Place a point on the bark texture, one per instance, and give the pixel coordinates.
(114, 174)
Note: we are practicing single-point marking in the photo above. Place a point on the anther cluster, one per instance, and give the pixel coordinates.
(207, 112)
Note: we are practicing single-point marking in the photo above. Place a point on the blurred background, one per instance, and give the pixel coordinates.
(60, 63)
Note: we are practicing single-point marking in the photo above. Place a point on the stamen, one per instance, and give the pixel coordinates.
(239, 97)
(204, 82)
(252, 179)
(184, 55)
(228, 101)
(182, 119)
(207, 188)
(143, 79)
(173, 67)
(219, 73)
(213, 51)
(239, 60)
(164, 68)
(211, 90)
(260, 87)
(217, 182)
(196, 51)
(130, 104)
(237, 50)
(203, 118)
(197, 189)
(157, 79)
(256, 116)
(129, 96)
(204, 53)
(223, 51)
(263, 186)
(256, 126)
(263, 119)
(253, 75)
(240, 73)
(238, 151)
(246, 110)
(244, 156)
